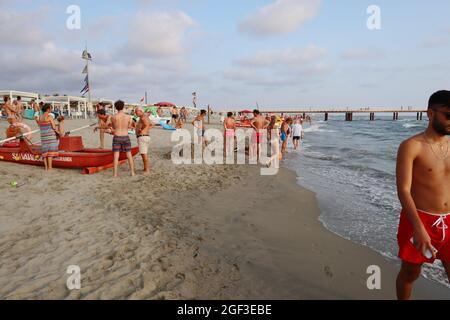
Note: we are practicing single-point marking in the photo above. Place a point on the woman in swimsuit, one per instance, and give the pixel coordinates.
(49, 142)
(285, 132)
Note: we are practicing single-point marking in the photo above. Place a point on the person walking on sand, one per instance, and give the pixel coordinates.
(423, 182)
(199, 125)
(104, 124)
(49, 141)
(259, 124)
(143, 128)
(121, 123)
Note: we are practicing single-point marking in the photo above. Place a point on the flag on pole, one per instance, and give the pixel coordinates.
(86, 55)
(143, 99)
(85, 89)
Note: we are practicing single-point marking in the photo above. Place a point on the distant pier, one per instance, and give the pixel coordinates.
(348, 113)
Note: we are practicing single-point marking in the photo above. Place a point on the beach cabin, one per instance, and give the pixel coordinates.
(73, 107)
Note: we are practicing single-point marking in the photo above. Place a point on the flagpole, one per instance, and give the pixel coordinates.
(88, 83)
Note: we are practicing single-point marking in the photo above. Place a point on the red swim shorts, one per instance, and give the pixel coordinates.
(258, 137)
(436, 227)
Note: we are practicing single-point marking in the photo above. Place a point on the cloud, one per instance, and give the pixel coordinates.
(285, 67)
(158, 35)
(292, 57)
(362, 54)
(20, 29)
(280, 17)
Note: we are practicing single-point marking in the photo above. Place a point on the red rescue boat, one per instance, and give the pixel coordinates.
(72, 154)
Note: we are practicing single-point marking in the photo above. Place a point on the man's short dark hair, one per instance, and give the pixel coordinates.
(256, 112)
(439, 99)
(5, 98)
(203, 112)
(19, 98)
(119, 105)
(102, 112)
(230, 114)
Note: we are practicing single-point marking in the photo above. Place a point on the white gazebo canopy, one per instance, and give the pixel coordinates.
(82, 105)
(26, 96)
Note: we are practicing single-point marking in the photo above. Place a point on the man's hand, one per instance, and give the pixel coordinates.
(422, 242)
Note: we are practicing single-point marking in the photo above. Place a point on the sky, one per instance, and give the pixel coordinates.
(234, 54)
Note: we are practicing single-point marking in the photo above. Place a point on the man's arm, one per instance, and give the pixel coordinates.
(407, 154)
(147, 124)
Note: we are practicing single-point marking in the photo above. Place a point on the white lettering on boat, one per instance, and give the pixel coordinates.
(36, 158)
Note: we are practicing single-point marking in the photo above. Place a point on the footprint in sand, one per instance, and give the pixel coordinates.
(328, 272)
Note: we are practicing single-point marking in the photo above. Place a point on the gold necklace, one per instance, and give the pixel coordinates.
(441, 146)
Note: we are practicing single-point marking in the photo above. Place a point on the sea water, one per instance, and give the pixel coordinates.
(351, 168)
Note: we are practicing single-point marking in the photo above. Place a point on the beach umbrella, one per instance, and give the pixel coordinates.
(165, 104)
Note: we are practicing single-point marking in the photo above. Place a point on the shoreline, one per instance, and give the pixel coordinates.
(184, 232)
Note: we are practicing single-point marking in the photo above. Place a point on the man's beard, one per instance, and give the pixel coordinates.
(440, 128)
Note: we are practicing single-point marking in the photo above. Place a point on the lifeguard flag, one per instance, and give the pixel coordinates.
(86, 55)
(142, 100)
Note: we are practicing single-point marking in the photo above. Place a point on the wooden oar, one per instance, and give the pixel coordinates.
(19, 136)
(79, 129)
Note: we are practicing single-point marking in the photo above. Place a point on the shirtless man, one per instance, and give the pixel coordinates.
(143, 128)
(104, 124)
(121, 123)
(20, 109)
(260, 125)
(175, 115)
(199, 124)
(34, 106)
(229, 125)
(10, 109)
(423, 179)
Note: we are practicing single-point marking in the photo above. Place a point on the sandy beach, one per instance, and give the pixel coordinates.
(183, 232)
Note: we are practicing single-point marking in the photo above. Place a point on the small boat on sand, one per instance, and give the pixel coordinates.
(72, 154)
